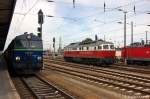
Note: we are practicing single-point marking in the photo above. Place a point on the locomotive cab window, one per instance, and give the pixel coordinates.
(105, 47)
(35, 44)
(21, 44)
(112, 47)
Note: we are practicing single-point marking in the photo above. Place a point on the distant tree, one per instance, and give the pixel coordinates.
(86, 41)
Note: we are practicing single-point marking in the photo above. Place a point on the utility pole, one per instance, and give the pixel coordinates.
(132, 32)
(146, 37)
(125, 53)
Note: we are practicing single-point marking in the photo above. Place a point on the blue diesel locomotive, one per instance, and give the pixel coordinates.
(24, 54)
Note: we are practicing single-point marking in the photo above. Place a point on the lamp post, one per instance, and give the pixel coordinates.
(131, 32)
(147, 31)
(125, 31)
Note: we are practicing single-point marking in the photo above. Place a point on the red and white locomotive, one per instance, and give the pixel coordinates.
(137, 53)
(96, 52)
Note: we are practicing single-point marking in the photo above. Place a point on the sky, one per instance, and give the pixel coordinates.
(85, 20)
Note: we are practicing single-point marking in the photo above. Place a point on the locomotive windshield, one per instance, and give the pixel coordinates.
(28, 44)
(21, 44)
(35, 44)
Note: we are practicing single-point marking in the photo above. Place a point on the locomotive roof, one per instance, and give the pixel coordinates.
(24, 37)
(93, 43)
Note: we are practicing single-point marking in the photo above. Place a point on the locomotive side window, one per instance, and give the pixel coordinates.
(74, 48)
(87, 48)
(95, 48)
(80, 48)
(99, 47)
(105, 47)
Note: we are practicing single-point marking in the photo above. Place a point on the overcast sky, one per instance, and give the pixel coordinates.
(85, 20)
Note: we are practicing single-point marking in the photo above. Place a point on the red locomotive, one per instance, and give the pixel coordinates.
(96, 52)
(137, 53)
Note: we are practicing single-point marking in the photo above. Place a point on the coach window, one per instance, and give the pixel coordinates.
(105, 47)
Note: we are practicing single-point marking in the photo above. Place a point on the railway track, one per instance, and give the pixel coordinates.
(131, 68)
(106, 71)
(126, 83)
(36, 87)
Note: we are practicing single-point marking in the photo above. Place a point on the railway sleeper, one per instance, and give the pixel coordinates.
(47, 92)
(40, 90)
(43, 96)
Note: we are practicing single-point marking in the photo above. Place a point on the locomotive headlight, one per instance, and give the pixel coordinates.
(39, 58)
(17, 58)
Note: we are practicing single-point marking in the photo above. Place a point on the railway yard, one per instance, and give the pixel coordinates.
(65, 80)
(74, 49)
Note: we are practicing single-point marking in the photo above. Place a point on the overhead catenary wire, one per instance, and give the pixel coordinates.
(25, 14)
(75, 21)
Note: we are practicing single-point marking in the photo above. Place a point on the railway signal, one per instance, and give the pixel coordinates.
(54, 43)
(40, 21)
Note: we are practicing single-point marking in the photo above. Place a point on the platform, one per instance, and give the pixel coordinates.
(7, 89)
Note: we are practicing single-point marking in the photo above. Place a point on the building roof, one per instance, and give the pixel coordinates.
(6, 13)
